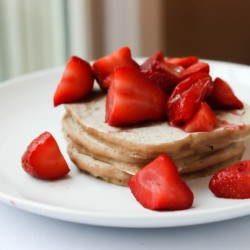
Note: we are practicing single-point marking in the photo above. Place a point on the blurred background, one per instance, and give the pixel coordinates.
(40, 34)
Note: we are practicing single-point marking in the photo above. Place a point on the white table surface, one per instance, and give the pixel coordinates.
(22, 230)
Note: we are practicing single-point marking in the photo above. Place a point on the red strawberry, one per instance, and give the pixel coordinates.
(182, 61)
(164, 75)
(103, 67)
(76, 83)
(43, 158)
(194, 68)
(186, 98)
(204, 120)
(158, 186)
(223, 97)
(232, 182)
(132, 99)
(150, 62)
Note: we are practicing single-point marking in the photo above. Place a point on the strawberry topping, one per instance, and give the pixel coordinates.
(132, 99)
(103, 67)
(222, 96)
(186, 98)
(76, 83)
(204, 120)
(165, 75)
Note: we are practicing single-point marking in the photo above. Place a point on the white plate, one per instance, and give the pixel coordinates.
(26, 110)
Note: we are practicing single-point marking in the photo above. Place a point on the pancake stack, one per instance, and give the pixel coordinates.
(115, 154)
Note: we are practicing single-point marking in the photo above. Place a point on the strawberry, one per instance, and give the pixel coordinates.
(232, 182)
(132, 99)
(204, 120)
(182, 61)
(43, 159)
(186, 98)
(158, 186)
(164, 75)
(223, 97)
(103, 67)
(76, 83)
(150, 62)
(194, 68)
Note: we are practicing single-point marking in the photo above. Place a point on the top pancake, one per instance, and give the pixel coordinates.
(149, 139)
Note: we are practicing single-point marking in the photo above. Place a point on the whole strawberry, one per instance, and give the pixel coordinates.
(232, 182)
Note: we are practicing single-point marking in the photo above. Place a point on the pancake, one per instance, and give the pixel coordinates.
(98, 169)
(148, 140)
(104, 150)
(113, 172)
(115, 154)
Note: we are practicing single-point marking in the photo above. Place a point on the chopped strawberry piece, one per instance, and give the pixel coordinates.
(151, 62)
(43, 158)
(223, 97)
(161, 80)
(232, 182)
(182, 61)
(186, 98)
(158, 186)
(194, 68)
(132, 99)
(76, 83)
(204, 120)
(103, 67)
(164, 75)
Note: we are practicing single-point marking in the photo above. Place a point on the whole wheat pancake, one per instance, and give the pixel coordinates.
(148, 140)
(105, 151)
(115, 154)
(114, 173)
(186, 165)
(99, 169)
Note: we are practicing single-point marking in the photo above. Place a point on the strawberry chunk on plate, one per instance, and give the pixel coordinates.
(76, 83)
(43, 158)
(232, 182)
(103, 67)
(132, 99)
(158, 186)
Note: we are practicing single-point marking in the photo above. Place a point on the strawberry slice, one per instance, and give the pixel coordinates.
(164, 75)
(204, 120)
(232, 182)
(132, 99)
(186, 98)
(223, 97)
(103, 67)
(194, 68)
(76, 83)
(43, 158)
(182, 61)
(158, 186)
